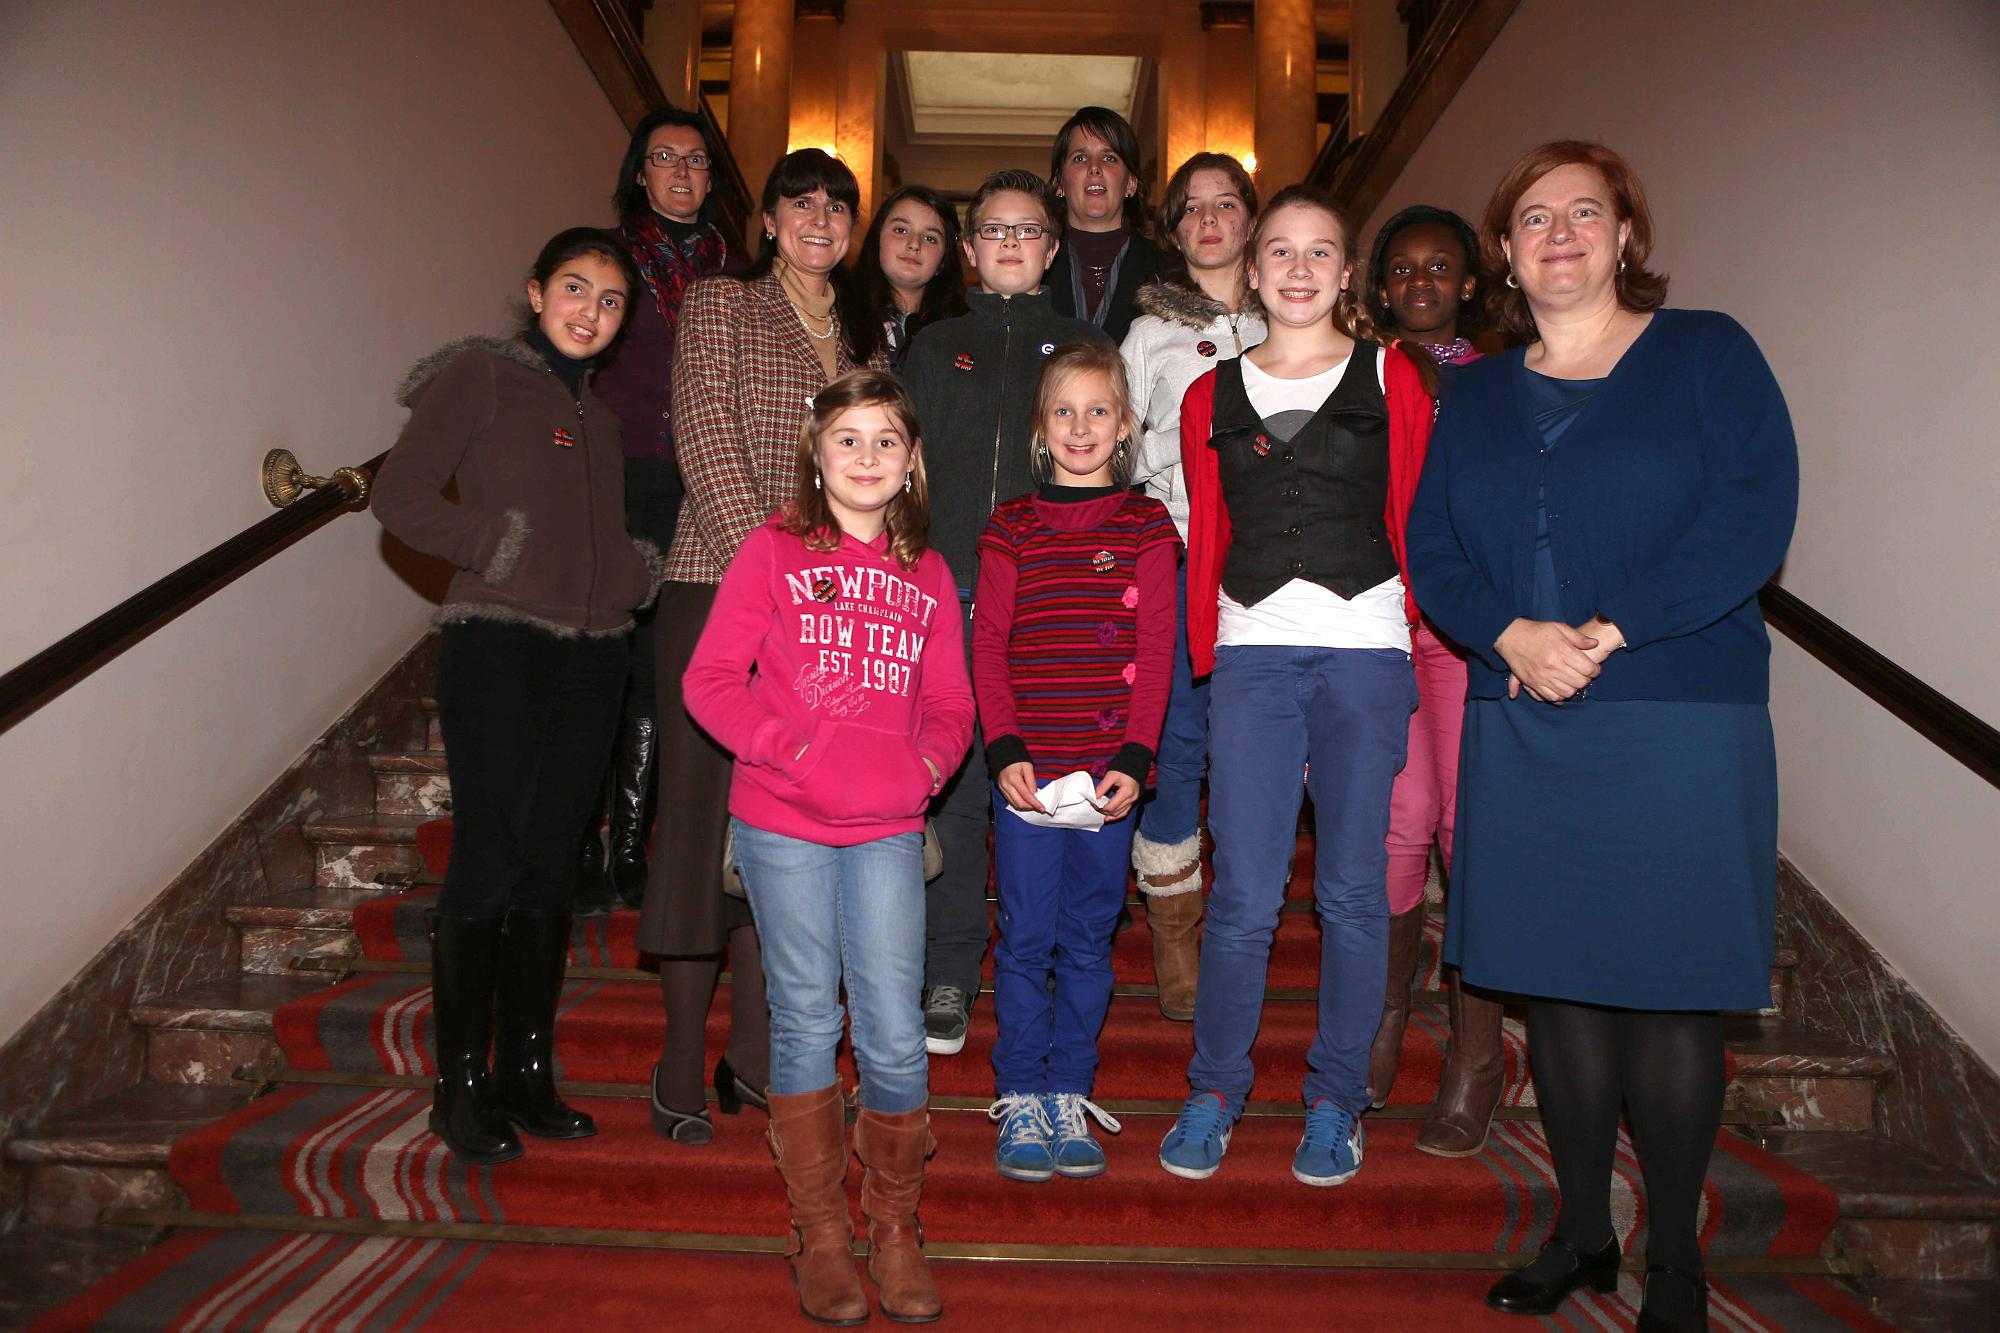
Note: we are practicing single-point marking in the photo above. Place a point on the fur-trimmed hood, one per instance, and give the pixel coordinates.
(426, 369)
(1180, 305)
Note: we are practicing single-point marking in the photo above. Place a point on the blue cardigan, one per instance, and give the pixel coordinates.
(1671, 501)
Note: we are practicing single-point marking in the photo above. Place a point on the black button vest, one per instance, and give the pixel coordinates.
(1310, 507)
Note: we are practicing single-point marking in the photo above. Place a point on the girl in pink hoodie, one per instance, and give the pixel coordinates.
(832, 665)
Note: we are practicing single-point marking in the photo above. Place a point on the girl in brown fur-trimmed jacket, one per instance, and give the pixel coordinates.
(531, 664)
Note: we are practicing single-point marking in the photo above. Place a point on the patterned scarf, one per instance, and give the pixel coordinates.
(667, 268)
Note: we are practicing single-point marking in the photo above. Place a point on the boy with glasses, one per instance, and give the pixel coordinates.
(972, 379)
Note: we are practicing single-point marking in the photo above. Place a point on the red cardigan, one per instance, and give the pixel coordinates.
(1410, 416)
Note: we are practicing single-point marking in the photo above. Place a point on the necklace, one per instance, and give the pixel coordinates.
(1451, 353)
(832, 321)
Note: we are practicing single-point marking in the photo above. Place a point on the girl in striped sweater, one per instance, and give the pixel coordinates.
(1073, 637)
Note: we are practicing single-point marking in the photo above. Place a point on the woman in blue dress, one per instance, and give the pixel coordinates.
(1597, 512)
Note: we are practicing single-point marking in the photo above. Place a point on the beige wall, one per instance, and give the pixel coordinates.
(1829, 173)
(228, 226)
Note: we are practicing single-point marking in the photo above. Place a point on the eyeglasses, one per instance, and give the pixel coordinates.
(666, 160)
(1020, 231)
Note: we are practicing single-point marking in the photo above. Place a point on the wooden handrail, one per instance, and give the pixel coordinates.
(71, 658)
(1952, 728)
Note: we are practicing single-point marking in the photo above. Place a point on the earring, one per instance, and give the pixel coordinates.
(908, 483)
(816, 482)
(1510, 279)
(1621, 263)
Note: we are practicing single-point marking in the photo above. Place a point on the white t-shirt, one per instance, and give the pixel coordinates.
(1302, 614)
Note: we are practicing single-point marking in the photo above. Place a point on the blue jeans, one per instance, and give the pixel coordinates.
(1172, 813)
(828, 913)
(1273, 711)
(1060, 891)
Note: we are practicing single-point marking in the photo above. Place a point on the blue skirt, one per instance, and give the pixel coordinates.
(1616, 853)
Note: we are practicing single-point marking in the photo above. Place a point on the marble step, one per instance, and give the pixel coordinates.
(315, 922)
(219, 1033)
(113, 1152)
(433, 733)
(40, 1270)
(412, 783)
(1907, 1215)
(365, 851)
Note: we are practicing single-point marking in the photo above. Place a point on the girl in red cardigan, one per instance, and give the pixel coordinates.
(832, 666)
(1301, 459)
(1072, 651)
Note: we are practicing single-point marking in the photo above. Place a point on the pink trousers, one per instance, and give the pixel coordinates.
(1424, 802)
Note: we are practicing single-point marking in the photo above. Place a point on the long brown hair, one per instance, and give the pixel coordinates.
(1179, 186)
(1638, 288)
(1350, 312)
(909, 514)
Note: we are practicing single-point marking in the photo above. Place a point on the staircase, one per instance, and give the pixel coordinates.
(278, 1141)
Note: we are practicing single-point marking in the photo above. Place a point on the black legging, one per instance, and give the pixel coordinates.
(1668, 1072)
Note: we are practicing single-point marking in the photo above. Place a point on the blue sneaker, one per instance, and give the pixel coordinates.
(1077, 1153)
(1330, 1151)
(1193, 1148)
(1024, 1152)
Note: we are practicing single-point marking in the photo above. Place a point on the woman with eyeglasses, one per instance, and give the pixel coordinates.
(665, 219)
(752, 353)
(909, 274)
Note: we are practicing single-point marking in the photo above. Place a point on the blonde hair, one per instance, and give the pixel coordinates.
(909, 513)
(1064, 365)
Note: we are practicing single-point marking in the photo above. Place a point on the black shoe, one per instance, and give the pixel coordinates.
(590, 895)
(1544, 1284)
(534, 953)
(464, 955)
(631, 799)
(690, 1128)
(732, 1092)
(1676, 1301)
(947, 1013)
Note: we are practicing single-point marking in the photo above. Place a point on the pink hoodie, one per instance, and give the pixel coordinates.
(860, 677)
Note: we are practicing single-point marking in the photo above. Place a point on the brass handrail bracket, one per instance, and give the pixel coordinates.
(284, 481)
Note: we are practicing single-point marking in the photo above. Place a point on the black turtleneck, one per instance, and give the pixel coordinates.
(677, 232)
(1071, 495)
(570, 370)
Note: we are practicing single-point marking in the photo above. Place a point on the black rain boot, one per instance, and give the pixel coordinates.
(534, 954)
(631, 802)
(590, 895)
(464, 955)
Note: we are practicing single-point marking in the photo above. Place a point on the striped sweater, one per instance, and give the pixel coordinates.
(1073, 631)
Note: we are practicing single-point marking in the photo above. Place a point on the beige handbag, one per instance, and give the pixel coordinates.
(732, 879)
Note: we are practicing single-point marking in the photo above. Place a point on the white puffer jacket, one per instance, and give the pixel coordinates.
(1180, 337)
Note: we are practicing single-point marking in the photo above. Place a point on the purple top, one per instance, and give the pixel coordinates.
(636, 379)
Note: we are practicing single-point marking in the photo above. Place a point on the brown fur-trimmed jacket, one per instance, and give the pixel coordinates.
(538, 529)
(743, 369)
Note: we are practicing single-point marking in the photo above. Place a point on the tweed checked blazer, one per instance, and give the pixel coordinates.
(743, 369)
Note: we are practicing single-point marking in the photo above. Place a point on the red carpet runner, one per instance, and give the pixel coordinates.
(360, 1152)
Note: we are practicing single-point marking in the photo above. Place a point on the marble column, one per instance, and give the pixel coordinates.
(1286, 99)
(760, 87)
(1378, 50)
(816, 38)
(673, 48)
(1183, 103)
(864, 73)
(1231, 80)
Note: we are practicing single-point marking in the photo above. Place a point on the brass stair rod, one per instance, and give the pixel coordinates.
(284, 481)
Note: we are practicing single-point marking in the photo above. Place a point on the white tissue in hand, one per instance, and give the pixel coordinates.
(1071, 802)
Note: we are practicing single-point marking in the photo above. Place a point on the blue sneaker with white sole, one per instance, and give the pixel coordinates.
(1077, 1151)
(1193, 1148)
(1024, 1152)
(1330, 1150)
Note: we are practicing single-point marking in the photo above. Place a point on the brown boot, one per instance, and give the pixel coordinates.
(1406, 935)
(892, 1149)
(809, 1139)
(1170, 879)
(1475, 1072)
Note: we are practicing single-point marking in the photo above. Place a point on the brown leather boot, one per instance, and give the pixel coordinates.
(892, 1149)
(1170, 880)
(809, 1139)
(1475, 1072)
(1406, 935)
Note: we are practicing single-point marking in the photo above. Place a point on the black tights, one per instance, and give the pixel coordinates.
(1667, 1070)
(687, 985)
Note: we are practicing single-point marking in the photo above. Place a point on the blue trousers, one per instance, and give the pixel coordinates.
(1272, 712)
(1171, 813)
(833, 914)
(1060, 891)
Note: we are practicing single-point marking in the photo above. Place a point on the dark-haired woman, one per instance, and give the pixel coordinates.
(1105, 256)
(663, 207)
(1199, 312)
(1598, 511)
(752, 352)
(1421, 283)
(530, 667)
(908, 274)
